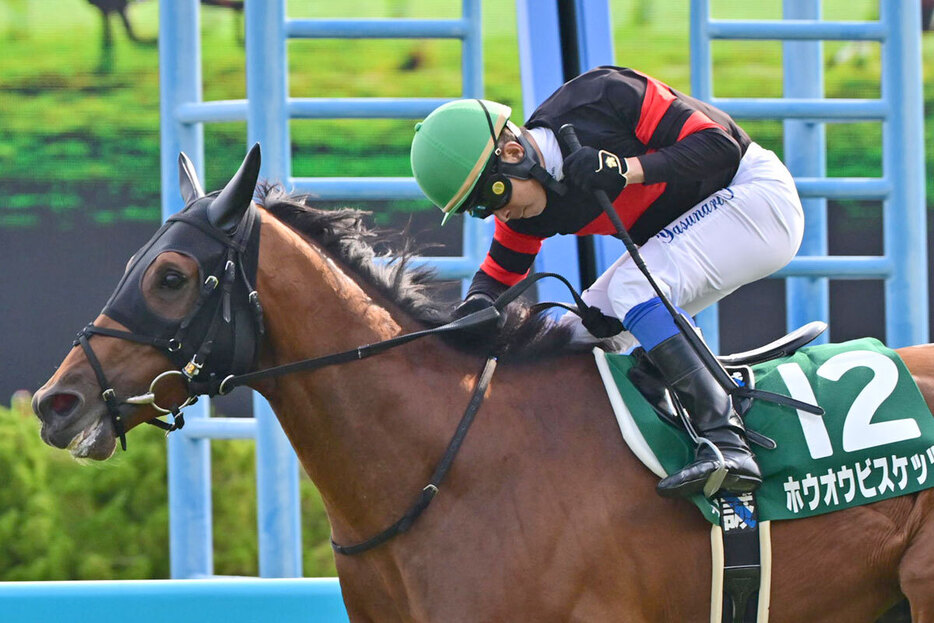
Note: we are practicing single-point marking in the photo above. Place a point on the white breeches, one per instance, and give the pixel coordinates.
(737, 235)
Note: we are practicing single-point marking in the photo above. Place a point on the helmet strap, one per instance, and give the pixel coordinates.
(497, 183)
(530, 167)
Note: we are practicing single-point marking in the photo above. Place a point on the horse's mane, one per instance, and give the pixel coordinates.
(415, 290)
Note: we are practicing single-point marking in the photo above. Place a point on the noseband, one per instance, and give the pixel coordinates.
(212, 311)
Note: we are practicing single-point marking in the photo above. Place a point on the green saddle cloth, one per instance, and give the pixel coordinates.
(875, 442)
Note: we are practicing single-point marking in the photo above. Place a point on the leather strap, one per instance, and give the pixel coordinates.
(430, 490)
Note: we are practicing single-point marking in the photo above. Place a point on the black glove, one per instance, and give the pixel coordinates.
(473, 304)
(599, 324)
(483, 332)
(591, 169)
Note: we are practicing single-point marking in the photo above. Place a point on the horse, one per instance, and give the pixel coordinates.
(545, 515)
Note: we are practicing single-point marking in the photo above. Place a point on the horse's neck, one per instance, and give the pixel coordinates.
(364, 431)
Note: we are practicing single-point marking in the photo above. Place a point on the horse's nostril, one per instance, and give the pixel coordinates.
(61, 404)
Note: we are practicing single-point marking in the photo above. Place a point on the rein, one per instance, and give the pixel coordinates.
(486, 318)
(475, 321)
(431, 489)
(483, 318)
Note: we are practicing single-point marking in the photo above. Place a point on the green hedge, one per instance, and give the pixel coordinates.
(63, 521)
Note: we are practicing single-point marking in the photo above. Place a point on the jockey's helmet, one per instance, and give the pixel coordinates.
(452, 147)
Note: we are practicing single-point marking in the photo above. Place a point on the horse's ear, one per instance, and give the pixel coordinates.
(226, 211)
(188, 179)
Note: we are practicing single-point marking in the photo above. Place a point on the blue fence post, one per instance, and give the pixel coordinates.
(476, 234)
(595, 41)
(189, 459)
(594, 34)
(905, 235)
(805, 156)
(702, 88)
(541, 71)
(278, 503)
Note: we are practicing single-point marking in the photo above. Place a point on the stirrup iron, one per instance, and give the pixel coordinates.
(716, 478)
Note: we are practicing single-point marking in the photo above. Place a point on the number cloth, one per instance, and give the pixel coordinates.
(875, 442)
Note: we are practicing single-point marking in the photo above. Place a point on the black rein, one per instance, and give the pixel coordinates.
(487, 317)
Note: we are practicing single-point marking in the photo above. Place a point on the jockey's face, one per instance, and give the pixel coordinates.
(528, 197)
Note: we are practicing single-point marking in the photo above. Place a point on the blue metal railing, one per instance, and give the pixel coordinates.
(267, 110)
(241, 600)
(464, 28)
(901, 189)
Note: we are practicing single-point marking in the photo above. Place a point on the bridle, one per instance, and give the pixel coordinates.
(212, 307)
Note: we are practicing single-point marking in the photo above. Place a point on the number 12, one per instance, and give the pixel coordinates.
(859, 432)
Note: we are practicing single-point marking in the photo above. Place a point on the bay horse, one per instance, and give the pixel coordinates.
(545, 514)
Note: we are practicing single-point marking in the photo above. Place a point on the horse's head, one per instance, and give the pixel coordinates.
(184, 315)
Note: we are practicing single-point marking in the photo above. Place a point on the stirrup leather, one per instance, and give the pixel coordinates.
(662, 399)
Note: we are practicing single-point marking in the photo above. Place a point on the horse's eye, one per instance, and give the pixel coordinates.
(172, 280)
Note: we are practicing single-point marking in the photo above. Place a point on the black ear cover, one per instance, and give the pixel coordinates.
(234, 200)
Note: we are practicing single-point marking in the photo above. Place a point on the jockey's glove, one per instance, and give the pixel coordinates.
(593, 169)
(474, 303)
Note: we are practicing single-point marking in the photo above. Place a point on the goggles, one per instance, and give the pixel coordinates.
(482, 203)
(494, 190)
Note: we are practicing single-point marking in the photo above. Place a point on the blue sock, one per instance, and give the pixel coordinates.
(651, 323)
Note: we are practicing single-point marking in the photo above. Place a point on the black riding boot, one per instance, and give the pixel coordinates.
(711, 411)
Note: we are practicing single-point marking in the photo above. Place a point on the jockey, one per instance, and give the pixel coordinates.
(710, 210)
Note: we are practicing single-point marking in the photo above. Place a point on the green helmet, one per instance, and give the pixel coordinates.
(451, 148)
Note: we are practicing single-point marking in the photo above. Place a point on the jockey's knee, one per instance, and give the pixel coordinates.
(629, 288)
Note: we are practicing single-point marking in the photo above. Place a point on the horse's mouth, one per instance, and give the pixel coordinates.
(94, 441)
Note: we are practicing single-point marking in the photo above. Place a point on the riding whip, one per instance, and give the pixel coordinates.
(569, 136)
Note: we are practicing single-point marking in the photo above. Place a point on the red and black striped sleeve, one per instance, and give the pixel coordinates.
(687, 139)
(510, 257)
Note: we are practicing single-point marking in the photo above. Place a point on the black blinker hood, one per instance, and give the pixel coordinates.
(220, 232)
